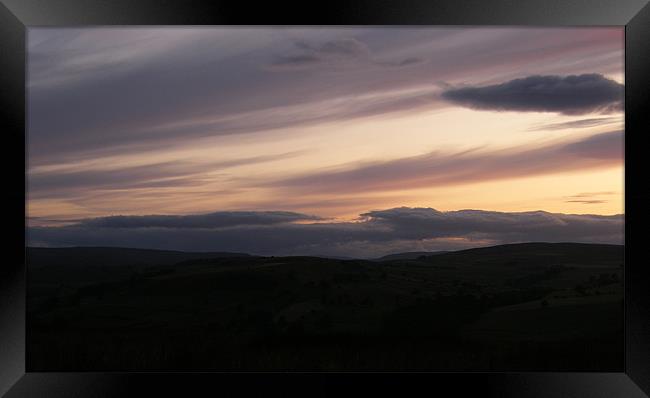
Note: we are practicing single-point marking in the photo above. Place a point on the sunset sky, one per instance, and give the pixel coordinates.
(330, 141)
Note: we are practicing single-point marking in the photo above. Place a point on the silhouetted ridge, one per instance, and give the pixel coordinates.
(535, 253)
(102, 256)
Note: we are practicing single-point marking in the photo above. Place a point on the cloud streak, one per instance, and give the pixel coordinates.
(577, 124)
(589, 198)
(569, 95)
(435, 169)
(107, 91)
(170, 174)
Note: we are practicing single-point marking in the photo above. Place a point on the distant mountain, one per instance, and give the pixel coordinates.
(409, 255)
(108, 256)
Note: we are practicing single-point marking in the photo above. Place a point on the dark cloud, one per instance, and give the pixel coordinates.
(219, 219)
(376, 233)
(523, 226)
(570, 95)
(331, 53)
(589, 198)
(576, 124)
(587, 202)
(336, 53)
(437, 169)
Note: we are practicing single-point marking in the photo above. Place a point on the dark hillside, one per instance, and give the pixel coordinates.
(526, 307)
(110, 256)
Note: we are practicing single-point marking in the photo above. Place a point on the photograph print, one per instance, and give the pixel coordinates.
(325, 199)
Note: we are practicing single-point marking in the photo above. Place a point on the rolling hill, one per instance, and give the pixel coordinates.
(528, 306)
(110, 256)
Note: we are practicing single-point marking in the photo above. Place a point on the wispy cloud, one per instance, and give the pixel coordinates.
(589, 198)
(170, 174)
(438, 169)
(178, 121)
(587, 201)
(577, 124)
(108, 90)
(592, 194)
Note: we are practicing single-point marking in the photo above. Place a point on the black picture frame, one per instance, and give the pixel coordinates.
(18, 15)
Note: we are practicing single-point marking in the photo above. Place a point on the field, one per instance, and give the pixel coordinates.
(534, 306)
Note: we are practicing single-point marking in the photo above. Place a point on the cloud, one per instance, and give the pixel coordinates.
(438, 169)
(103, 91)
(587, 202)
(605, 146)
(376, 233)
(338, 53)
(410, 61)
(334, 53)
(589, 198)
(522, 226)
(592, 194)
(577, 124)
(220, 219)
(170, 174)
(570, 95)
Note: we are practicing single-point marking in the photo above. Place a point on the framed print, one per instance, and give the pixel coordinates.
(219, 198)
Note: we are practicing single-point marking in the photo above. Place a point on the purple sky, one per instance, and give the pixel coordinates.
(305, 138)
